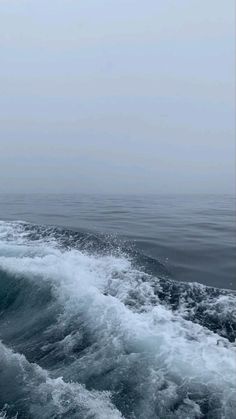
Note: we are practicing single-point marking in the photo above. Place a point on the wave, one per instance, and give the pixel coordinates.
(47, 397)
(111, 322)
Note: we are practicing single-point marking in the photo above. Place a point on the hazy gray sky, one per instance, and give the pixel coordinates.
(117, 96)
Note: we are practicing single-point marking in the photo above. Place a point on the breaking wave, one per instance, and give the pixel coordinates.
(90, 328)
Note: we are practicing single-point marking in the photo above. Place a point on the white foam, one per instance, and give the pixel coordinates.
(173, 349)
(55, 395)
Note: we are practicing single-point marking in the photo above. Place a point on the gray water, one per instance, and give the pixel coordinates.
(194, 236)
(117, 307)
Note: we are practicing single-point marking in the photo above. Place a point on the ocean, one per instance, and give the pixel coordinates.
(116, 306)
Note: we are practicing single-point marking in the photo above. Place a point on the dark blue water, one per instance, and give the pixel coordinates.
(117, 307)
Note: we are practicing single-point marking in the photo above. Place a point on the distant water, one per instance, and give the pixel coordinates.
(116, 306)
(194, 236)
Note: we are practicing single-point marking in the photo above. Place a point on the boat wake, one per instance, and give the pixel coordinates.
(90, 328)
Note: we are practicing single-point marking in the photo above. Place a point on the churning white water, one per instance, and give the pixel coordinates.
(118, 349)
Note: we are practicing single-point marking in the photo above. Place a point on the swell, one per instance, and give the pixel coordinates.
(81, 307)
(27, 311)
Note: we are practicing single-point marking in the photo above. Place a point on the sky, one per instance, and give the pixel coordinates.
(117, 96)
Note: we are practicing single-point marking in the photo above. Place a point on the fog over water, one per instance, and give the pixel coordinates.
(107, 96)
(117, 209)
